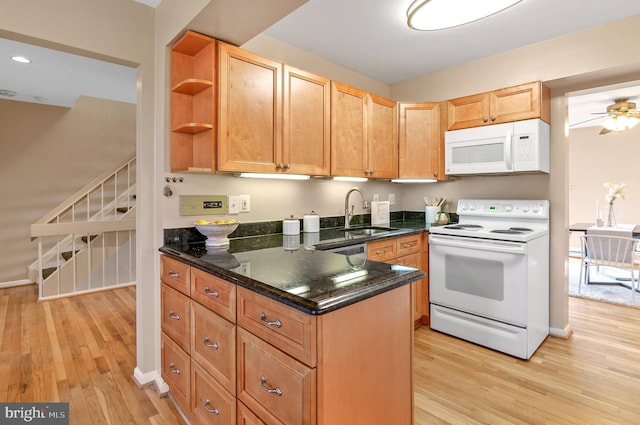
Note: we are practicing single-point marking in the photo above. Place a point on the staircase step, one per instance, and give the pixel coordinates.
(123, 209)
(68, 254)
(92, 237)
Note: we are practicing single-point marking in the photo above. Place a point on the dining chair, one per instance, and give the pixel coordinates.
(608, 251)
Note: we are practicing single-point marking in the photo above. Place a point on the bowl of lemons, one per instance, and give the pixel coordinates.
(217, 231)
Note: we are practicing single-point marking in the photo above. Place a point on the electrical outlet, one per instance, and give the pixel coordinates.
(245, 203)
(376, 198)
(234, 205)
(392, 199)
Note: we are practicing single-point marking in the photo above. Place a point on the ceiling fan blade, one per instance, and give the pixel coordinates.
(604, 131)
(582, 122)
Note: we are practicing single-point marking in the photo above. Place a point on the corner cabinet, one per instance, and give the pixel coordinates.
(193, 100)
(525, 101)
(239, 357)
(421, 153)
(364, 136)
(272, 117)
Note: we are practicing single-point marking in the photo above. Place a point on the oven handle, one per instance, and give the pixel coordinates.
(480, 244)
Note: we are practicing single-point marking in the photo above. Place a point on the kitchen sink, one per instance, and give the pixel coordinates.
(368, 231)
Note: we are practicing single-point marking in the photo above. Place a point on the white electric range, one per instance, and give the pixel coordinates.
(489, 274)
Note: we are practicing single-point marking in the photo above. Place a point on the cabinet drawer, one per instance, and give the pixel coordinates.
(176, 371)
(280, 389)
(284, 327)
(246, 416)
(383, 250)
(211, 404)
(214, 293)
(175, 274)
(411, 260)
(176, 316)
(213, 345)
(409, 244)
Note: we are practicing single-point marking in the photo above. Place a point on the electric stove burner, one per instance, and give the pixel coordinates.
(464, 227)
(511, 231)
(521, 229)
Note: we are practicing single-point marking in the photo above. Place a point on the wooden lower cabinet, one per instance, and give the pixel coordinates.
(410, 251)
(276, 365)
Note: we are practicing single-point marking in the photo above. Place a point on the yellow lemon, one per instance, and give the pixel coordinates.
(202, 221)
(231, 221)
(219, 221)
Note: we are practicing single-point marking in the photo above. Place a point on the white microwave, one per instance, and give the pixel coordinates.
(521, 146)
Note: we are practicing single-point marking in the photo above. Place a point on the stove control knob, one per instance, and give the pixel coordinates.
(473, 207)
(465, 207)
(536, 208)
(508, 208)
(525, 208)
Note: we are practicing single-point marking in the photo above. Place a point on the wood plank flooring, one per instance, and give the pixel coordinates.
(82, 350)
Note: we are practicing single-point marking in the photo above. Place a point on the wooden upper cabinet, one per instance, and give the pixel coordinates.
(382, 138)
(420, 141)
(306, 127)
(516, 103)
(250, 116)
(193, 100)
(364, 136)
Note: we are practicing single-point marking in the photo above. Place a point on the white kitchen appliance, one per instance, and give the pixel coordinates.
(521, 146)
(489, 274)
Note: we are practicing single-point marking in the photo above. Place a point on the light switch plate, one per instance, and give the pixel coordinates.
(234, 205)
(203, 205)
(392, 199)
(245, 203)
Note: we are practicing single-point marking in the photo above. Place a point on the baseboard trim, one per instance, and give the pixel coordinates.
(561, 333)
(153, 377)
(20, 282)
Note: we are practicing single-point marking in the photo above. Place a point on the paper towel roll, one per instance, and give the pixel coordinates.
(311, 222)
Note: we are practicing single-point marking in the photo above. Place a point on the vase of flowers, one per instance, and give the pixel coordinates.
(615, 191)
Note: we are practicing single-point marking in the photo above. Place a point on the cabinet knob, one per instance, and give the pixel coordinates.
(485, 119)
(435, 174)
(493, 117)
(280, 166)
(207, 405)
(287, 166)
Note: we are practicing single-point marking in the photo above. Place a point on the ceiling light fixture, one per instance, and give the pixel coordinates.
(432, 15)
(620, 122)
(21, 59)
(274, 176)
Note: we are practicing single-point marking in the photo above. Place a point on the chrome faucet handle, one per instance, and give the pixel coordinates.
(365, 204)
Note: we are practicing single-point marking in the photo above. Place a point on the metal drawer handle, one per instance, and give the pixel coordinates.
(207, 403)
(263, 384)
(381, 251)
(215, 294)
(173, 315)
(210, 344)
(407, 244)
(174, 274)
(276, 323)
(173, 369)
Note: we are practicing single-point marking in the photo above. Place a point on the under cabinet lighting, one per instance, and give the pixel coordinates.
(414, 181)
(432, 15)
(274, 176)
(350, 179)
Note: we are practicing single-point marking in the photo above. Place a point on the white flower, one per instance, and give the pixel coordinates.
(615, 191)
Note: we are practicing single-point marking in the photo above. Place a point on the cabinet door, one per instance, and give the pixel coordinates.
(468, 111)
(250, 114)
(515, 103)
(176, 371)
(384, 251)
(382, 138)
(420, 141)
(348, 131)
(211, 404)
(176, 316)
(306, 126)
(246, 416)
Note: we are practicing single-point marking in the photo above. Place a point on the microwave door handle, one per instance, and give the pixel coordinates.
(508, 145)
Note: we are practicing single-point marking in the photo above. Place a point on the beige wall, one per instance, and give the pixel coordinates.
(49, 153)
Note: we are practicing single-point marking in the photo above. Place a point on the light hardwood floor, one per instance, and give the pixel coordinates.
(82, 350)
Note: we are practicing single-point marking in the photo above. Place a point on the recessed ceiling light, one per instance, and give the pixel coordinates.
(21, 59)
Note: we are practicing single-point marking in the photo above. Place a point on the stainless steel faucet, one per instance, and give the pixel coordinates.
(349, 213)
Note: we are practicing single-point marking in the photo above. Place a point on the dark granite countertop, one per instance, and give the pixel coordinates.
(289, 269)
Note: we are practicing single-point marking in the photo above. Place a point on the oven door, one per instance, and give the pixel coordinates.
(479, 276)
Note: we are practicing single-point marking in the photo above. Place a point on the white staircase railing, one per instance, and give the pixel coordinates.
(87, 243)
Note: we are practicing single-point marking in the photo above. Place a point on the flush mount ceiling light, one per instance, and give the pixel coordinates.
(432, 15)
(21, 59)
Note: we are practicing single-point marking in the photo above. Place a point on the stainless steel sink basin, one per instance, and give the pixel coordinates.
(368, 231)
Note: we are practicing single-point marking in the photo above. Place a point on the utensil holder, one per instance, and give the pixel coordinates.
(431, 214)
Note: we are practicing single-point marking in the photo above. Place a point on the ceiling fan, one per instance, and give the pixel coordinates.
(623, 115)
